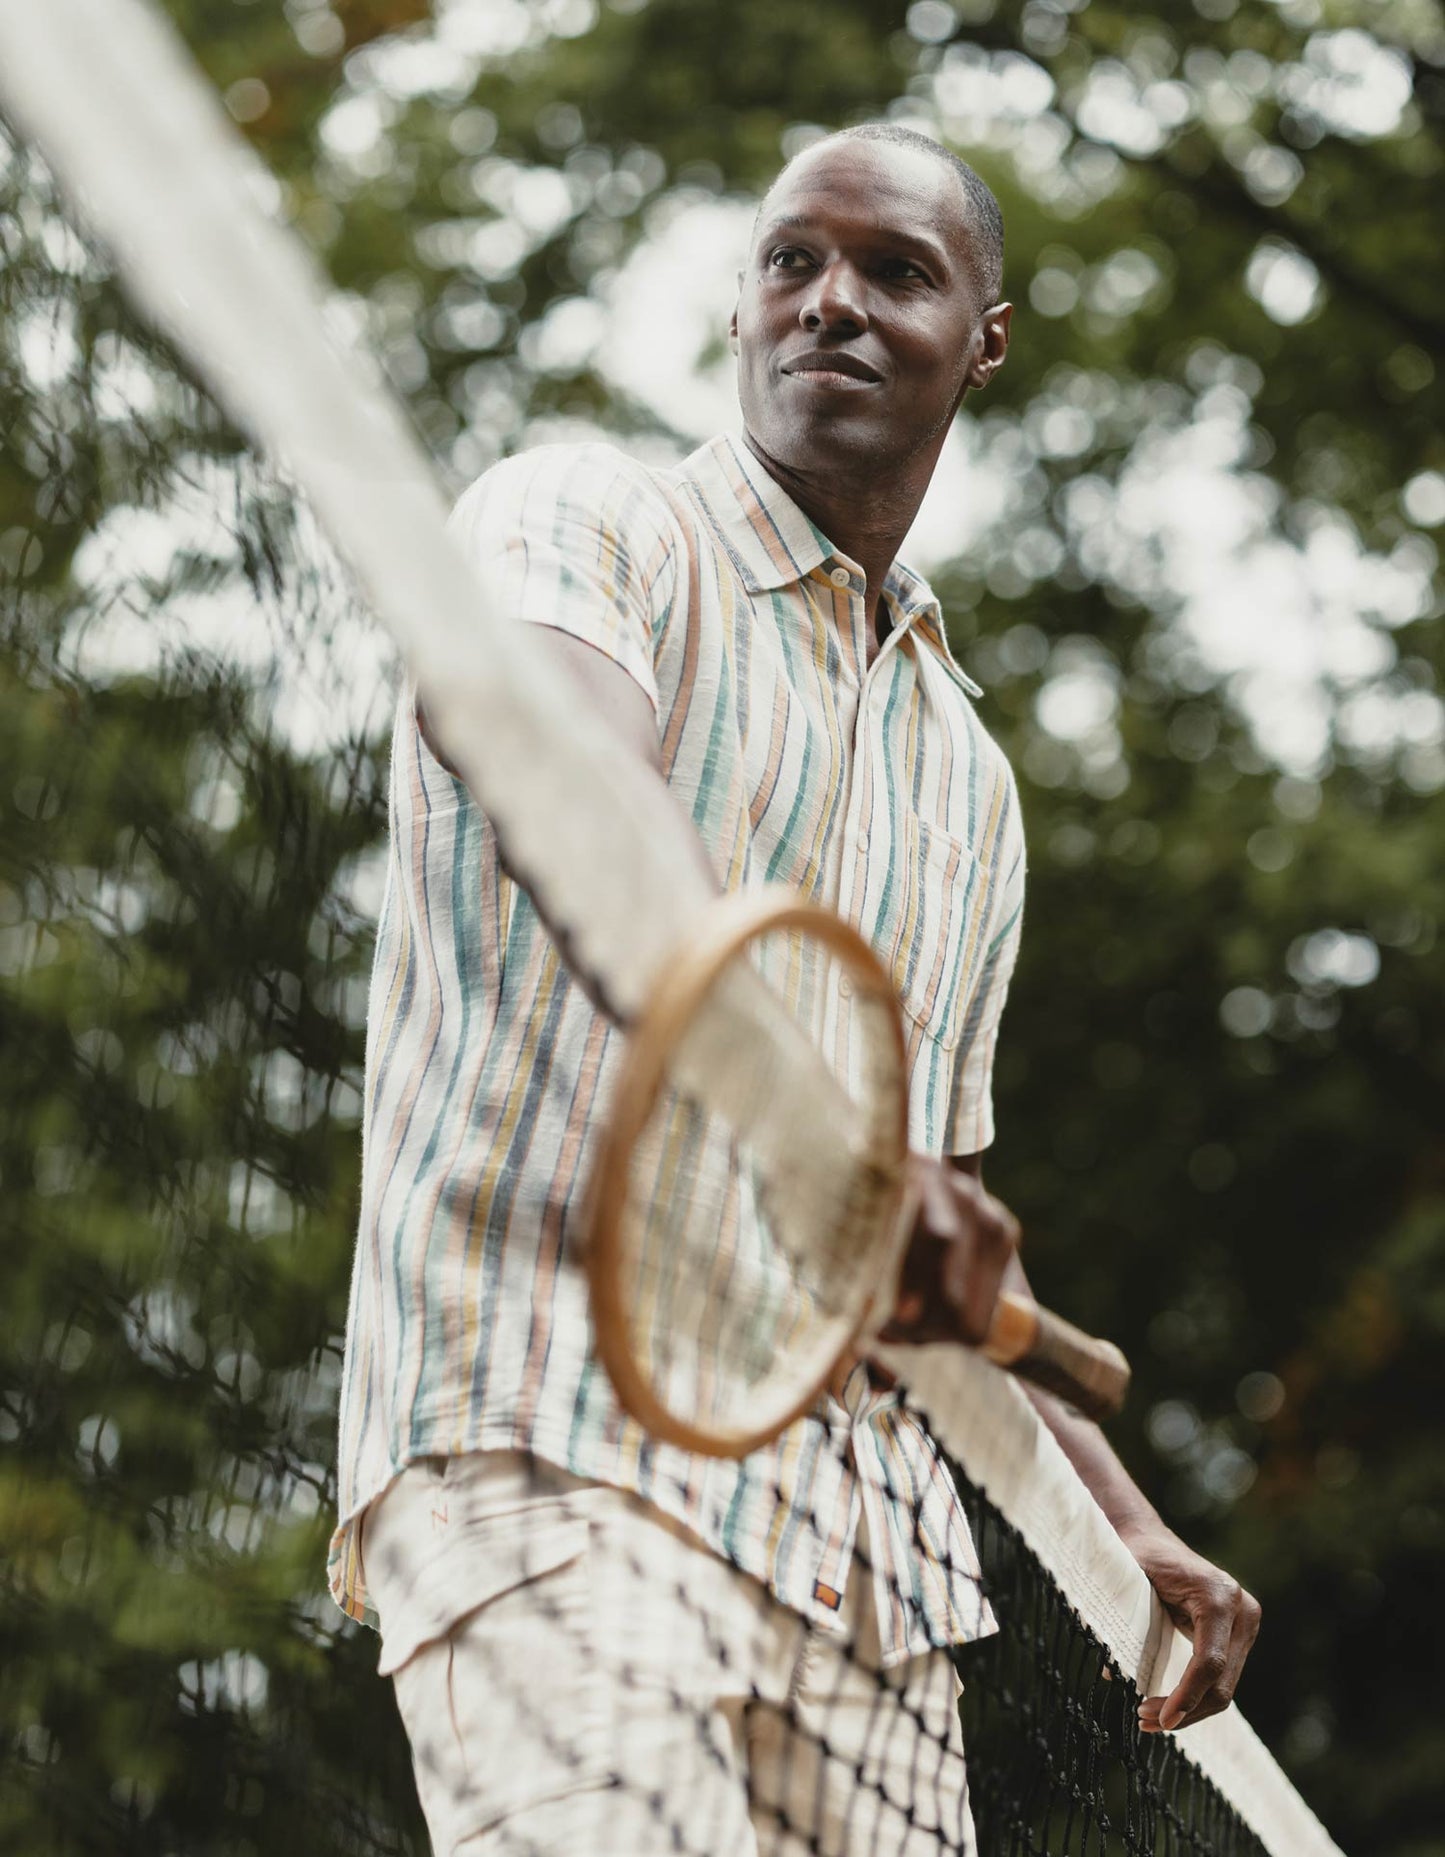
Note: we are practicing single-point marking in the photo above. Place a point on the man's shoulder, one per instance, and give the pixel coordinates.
(583, 481)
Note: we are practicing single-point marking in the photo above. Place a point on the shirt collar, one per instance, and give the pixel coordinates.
(773, 544)
(918, 604)
(771, 541)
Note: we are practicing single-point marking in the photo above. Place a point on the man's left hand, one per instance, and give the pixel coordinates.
(1212, 1609)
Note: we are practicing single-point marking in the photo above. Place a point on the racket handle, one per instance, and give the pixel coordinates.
(1042, 1347)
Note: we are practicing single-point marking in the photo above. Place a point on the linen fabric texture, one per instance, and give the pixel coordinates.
(876, 791)
(659, 1702)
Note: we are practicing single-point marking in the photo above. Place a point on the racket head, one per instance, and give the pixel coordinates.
(730, 1279)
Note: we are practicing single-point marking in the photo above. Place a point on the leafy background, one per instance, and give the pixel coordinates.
(1189, 547)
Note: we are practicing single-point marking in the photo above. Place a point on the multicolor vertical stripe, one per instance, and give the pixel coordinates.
(873, 789)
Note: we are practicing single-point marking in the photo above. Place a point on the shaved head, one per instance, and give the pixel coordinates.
(867, 310)
(985, 220)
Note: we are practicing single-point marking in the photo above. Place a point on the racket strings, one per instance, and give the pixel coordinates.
(741, 1256)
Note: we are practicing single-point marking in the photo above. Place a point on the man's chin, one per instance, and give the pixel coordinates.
(830, 436)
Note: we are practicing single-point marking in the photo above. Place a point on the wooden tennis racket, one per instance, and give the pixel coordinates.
(729, 1288)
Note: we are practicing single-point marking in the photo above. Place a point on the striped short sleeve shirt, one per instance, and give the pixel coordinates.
(875, 790)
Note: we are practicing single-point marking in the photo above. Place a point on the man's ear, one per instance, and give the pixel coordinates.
(990, 345)
(733, 320)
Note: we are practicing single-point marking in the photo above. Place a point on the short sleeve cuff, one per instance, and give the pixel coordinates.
(580, 539)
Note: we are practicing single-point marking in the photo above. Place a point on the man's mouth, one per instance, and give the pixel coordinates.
(833, 368)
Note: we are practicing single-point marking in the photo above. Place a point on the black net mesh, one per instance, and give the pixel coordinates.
(192, 757)
(819, 1747)
(1057, 1760)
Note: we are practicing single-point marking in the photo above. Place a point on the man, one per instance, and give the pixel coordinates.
(599, 1644)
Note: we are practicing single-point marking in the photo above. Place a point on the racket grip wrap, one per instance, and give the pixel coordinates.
(1041, 1347)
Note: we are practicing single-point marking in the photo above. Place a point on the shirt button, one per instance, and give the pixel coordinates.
(840, 577)
(845, 986)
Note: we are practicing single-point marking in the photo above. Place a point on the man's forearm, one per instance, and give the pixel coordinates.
(655, 811)
(1098, 1466)
(1089, 1451)
(1219, 1617)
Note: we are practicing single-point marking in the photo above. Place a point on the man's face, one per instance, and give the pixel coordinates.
(859, 325)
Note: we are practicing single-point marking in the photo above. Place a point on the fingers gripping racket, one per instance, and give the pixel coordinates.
(724, 1302)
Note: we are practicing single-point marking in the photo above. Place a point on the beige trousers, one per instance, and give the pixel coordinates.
(577, 1674)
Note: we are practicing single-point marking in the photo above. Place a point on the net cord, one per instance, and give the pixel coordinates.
(985, 1421)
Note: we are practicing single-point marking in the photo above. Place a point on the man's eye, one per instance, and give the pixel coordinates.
(904, 269)
(788, 259)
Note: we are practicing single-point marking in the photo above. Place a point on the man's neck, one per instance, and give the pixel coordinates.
(864, 515)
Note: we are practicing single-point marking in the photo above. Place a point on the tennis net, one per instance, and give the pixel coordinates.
(1056, 1762)
(830, 1751)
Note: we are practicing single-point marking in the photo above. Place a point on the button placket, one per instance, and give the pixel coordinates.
(858, 828)
(866, 755)
(849, 581)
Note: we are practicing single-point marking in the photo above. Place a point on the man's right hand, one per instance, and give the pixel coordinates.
(962, 1248)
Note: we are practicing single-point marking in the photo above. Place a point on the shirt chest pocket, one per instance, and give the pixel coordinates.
(933, 925)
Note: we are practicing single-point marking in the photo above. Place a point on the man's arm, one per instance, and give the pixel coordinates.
(604, 687)
(1220, 1618)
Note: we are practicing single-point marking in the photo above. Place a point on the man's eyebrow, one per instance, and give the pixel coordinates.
(882, 235)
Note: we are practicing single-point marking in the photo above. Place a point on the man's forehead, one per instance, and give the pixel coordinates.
(875, 186)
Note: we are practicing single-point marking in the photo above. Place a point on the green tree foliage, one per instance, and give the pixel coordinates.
(186, 933)
(1222, 1063)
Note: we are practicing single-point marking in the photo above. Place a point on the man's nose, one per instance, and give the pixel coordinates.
(837, 300)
